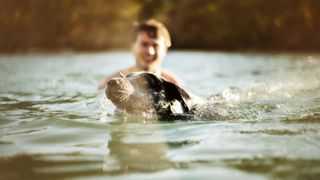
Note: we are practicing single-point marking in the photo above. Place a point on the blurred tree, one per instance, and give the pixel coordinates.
(156, 9)
(52, 24)
(205, 24)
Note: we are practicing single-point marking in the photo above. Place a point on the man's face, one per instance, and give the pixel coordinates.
(149, 52)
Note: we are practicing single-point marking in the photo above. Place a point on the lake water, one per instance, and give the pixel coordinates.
(56, 125)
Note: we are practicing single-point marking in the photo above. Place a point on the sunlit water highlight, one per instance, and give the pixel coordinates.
(264, 125)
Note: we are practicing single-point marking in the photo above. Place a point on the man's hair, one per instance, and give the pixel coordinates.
(153, 28)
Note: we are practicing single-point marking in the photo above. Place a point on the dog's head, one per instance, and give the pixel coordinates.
(146, 92)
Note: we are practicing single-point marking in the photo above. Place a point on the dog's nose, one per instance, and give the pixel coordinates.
(112, 82)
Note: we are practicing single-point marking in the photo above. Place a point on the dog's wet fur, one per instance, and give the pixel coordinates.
(143, 92)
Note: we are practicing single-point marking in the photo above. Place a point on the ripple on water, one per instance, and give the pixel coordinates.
(265, 126)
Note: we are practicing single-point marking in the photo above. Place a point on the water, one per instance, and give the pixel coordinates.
(56, 125)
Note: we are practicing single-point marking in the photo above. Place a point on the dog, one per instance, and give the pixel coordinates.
(144, 92)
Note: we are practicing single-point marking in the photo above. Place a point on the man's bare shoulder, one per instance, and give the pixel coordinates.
(169, 76)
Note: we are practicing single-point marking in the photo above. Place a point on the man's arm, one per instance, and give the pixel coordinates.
(172, 78)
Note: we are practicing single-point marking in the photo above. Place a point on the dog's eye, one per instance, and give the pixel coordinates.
(140, 82)
(144, 82)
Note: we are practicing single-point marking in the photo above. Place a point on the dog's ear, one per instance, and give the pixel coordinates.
(154, 82)
(175, 93)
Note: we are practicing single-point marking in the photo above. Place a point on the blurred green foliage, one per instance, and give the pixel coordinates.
(194, 24)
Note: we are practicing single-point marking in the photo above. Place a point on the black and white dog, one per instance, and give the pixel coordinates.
(143, 92)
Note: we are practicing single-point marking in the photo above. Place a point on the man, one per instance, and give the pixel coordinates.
(151, 42)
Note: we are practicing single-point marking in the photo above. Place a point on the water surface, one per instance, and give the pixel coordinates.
(56, 125)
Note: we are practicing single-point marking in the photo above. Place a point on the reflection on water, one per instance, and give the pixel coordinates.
(34, 167)
(263, 122)
(129, 154)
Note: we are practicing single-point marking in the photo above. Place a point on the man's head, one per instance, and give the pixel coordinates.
(151, 41)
